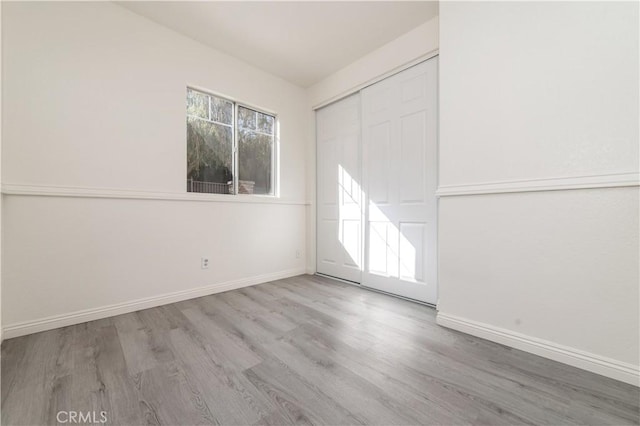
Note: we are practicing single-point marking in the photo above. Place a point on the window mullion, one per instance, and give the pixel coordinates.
(236, 167)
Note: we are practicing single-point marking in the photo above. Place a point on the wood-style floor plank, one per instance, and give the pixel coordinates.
(304, 350)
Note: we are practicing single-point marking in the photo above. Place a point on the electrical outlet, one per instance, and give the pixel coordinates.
(298, 254)
(204, 263)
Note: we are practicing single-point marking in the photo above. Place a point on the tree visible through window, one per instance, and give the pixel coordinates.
(255, 149)
(230, 147)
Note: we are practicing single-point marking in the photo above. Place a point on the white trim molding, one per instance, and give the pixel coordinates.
(548, 184)
(431, 54)
(78, 317)
(79, 192)
(608, 367)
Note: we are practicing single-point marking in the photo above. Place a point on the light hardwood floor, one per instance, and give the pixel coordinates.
(304, 350)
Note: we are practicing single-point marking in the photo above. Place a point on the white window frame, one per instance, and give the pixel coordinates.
(275, 151)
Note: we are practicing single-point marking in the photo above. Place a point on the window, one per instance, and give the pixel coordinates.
(230, 147)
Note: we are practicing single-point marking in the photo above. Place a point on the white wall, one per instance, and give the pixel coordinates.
(413, 45)
(96, 108)
(535, 97)
(419, 43)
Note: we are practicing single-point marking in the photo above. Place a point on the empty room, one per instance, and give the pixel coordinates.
(320, 212)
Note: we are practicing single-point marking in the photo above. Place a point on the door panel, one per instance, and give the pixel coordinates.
(339, 193)
(378, 146)
(399, 147)
(412, 146)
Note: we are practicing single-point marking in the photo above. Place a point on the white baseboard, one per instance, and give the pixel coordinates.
(57, 321)
(608, 367)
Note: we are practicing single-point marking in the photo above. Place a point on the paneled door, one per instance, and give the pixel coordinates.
(339, 197)
(399, 147)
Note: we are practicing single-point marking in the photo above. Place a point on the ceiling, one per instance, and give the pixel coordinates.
(302, 42)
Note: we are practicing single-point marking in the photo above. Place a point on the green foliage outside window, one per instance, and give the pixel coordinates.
(210, 141)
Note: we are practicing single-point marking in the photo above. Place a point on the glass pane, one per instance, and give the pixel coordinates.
(197, 104)
(209, 156)
(255, 155)
(246, 118)
(265, 123)
(221, 110)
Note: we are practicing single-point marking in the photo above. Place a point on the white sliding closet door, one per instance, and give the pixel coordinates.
(399, 146)
(339, 198)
